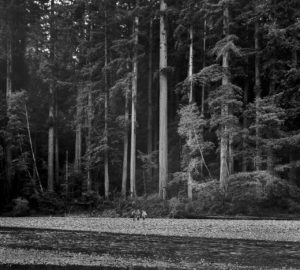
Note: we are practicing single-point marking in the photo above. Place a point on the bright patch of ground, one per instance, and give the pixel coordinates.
(271, 230)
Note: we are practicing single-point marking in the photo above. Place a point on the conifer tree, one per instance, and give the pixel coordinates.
(133, 106)
(163, 103)
(51, 105)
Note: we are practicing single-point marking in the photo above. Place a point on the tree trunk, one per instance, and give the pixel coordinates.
(106, 175)
(67, 175)
(203, 64)
(149, 122)
(89, 120)
(203, 86)
(133, 111)
(270, 153)
(8, 101)
(224, 170)
(245, 120)
(163, 104)
(51, 107)
(257, 87)
(56, 147)
(125, 152)
(191, 100)
(292, 174)
(35, 169)
(78, 139)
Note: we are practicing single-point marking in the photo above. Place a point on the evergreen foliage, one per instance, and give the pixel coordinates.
(230, 93)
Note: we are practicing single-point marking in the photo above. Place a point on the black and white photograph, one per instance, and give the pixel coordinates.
(149, 134)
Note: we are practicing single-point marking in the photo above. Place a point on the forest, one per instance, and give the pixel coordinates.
(184, 108)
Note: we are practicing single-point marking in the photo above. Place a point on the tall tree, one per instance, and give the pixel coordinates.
(150, 75)
(9, 70)
(51, 105)
(257, 87)
(133, 106)
(106, 174)
(125, 151)
(78, 131)
(224, 168)
(191, 100)
(163, 104)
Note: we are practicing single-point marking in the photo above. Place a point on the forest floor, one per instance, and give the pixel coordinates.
(166, 243)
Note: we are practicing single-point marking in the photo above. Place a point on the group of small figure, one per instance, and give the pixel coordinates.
(137, 214)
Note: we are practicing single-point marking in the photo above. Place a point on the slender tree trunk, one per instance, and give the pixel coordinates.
(106, 175)
(245, 120)
(230, 154)
(270, 153)
(257, 97)
(292, 174)
(133, 111)
(163, 105)
(191, 100)
(89, 138)
(203, 86)
(125, 152)
(8, 102)
(78, 139)
(224, 170)
(51, 108)
(56, 146)
(67, 174)
(35, 169)
(149, 123)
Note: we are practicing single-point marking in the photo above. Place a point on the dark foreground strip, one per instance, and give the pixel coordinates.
(165, 248)
(70, 267)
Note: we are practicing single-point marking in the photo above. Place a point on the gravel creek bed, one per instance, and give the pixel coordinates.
(164, 243)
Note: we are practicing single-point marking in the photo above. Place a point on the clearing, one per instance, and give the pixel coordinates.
(164, 243)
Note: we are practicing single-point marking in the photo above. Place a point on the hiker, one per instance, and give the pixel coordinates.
(144, 214)
(136, 214)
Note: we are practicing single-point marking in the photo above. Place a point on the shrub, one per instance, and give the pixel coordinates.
(154, 206)
(50, 203)
(20, 208)
(173, 207)
(254, 192)
(209, 198)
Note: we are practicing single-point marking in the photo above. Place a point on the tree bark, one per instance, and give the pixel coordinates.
(149, 120)
(35, 169)
(78, 138)
(257, 87)
(67, 174)
(8, 102)
(224, 170)
(245, 120)
(203, 64)
(88, 139)
(191, 100)
(106, 174)
(203, 86)
(270, 153)
(125, 151)
(51, 107)
(133, 110)
(163, 104)
(56, 146)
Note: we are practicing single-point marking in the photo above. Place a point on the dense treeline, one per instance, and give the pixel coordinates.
(136, 97)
